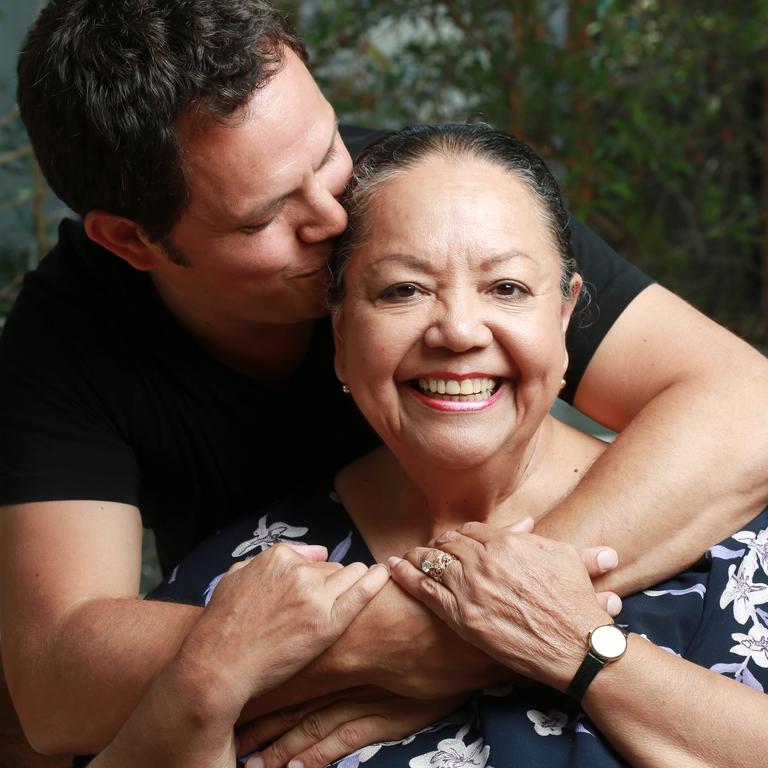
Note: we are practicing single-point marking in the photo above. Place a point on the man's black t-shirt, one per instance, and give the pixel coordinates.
(103, 396)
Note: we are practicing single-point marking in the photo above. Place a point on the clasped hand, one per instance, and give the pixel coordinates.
(270, 616)
(524, 600)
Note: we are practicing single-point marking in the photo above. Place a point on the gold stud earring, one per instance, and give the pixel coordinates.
(562, 383)
(345, 389)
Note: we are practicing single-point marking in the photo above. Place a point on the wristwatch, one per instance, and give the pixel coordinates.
(606, 644)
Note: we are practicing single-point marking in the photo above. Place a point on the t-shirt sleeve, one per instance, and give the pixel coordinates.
(611, 283)
(57, 442)
(356, 139)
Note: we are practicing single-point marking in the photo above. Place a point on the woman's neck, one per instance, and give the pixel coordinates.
(396, 507)
(488, 493)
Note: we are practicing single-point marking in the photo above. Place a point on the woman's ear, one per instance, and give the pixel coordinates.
(569, 304)
(125, 238)
(339, 358)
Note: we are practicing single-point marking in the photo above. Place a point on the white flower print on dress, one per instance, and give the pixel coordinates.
(696, 589)
(265, 536)
(549, 724)
(742, 591)
(753, 645)
(757, 544)
(454, 753)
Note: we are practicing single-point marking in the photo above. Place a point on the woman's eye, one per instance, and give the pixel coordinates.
(401, 292)
(509, 290)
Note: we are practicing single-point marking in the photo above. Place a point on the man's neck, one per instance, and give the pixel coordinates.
(262, 351)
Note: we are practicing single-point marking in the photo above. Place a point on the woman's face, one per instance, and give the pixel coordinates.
(456, 291)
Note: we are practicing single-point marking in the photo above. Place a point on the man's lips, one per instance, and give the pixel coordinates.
(313, 272)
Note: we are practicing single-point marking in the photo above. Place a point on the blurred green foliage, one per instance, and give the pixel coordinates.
(652, 113)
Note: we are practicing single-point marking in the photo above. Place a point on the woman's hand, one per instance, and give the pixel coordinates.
(270, 616)
(597, 560)
(320, 732)
(525, 600)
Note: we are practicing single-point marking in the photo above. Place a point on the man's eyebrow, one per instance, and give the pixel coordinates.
(273, 206)
(332, 146)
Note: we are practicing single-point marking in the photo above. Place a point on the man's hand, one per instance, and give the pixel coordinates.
(269, 617)
(319, 733)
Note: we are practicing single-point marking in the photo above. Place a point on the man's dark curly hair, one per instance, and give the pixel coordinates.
(103, 83)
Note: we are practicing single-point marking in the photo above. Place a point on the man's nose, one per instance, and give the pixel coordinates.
(459, 325)
(325, 217)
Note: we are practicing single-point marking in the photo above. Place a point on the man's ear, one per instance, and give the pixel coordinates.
(339, 358)
(125, 238)
(570, 304)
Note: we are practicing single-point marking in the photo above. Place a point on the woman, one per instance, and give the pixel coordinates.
(453, 289)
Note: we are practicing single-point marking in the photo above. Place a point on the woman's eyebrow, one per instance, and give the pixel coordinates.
(425, 265)
(500, 258)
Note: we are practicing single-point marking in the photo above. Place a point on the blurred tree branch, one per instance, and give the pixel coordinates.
(15, 154)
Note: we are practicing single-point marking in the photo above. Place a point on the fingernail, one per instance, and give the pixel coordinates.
(295, 764)
(524, 524)
(614, 605)
(379, 565)
(393, 561)
(607, 559)
(255, 762)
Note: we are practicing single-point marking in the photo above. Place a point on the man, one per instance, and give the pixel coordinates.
(168, 363)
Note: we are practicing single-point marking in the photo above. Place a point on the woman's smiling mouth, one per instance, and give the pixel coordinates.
(453, 394)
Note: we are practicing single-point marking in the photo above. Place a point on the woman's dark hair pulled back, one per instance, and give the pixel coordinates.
(399, 151)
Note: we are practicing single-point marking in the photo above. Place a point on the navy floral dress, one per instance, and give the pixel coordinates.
(715, 614)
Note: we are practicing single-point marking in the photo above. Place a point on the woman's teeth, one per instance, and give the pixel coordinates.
(465, 389)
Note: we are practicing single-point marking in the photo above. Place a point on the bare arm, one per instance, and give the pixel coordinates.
(659, 710)
(299, 606)
(655, 708)
(691, 462)
(79, 648)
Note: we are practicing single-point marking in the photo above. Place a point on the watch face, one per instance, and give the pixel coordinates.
(608, 642)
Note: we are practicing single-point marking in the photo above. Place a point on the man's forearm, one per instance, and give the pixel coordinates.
(685, 473)
(74, 696)
(395, 644)
(175, 724)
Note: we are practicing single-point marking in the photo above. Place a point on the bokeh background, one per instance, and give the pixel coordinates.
(653, 114)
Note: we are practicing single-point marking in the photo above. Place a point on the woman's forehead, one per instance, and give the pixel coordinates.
(458, 202)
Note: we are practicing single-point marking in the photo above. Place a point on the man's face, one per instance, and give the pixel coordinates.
(255, 237)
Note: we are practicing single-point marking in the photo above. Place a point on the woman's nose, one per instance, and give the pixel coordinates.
(459, 325)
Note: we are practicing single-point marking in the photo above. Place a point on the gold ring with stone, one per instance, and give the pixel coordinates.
(435, 565)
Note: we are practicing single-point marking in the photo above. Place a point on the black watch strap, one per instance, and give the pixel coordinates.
(605, 644)
(585, 675)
